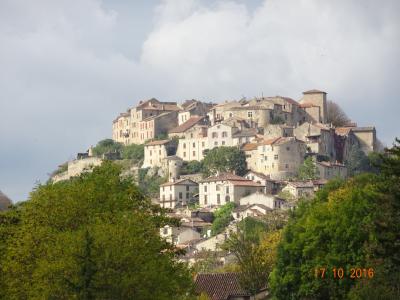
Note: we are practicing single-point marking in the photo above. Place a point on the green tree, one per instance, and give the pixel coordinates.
(222, 218)
(357, 162)
(134, 152)
(92, 237)
(254, 247)
(105, 146)
(308, 170)
(191, 167)
(349, 224)
(224, 159)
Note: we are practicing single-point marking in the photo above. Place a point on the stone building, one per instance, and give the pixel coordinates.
(145, 121)
(300, 189)
(228, 135)
(177, 193)
(271, 186)
(366, 137)
(319, 138)
(193, 144)
(180, 131)
(78, 166)
(121, 128)
(192, 108)
(225, 187)
(279, 158)
(268, 200)
(329, 170)
(156, 151)
(315, 105)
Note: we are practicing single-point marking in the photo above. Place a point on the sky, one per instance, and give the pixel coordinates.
(68, 68)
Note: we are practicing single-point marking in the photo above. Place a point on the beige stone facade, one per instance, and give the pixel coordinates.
(224, 188)
(300, 189)
(77, 167)
(329, 170)
(156, 151)
(279, 158)
(177, 193)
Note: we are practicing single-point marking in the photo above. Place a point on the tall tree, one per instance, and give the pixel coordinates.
(353, 224)
(225, 159)
(92, 237)
(308, 170)
(336, 115)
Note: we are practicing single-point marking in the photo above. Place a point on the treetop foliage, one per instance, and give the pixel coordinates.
(91, 237)
(224, 159)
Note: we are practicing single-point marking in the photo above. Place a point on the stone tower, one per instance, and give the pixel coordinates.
(316, 98)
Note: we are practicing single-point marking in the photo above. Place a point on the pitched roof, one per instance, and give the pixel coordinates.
(249, 146)
(245, 132)
(159, 142)
(219, 286)
(187, 125)
(179, 182)
(343, 130)
(224, 177)
(369, 128)
(249, 206)
(261, 175)
(301, 184)
(314, 91)
(154, 104)
(245, 183)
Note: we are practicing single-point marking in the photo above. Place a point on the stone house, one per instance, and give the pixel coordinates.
(320, 138)
(193, 108)
(225, 187)
(277, 130)
(156, 151)
(78, 166)
(279, 158)
(194, 122)
(329, 170)
(177, 193)
(249, 210)
(179, 235)
(139, 123)
(300, 189)
(315, 105)
(227, 135)
(193, 143)
(270, 201)
(121, 128)
(271, 186)
(366, 136)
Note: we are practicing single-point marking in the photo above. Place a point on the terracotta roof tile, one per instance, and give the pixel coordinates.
(219, 286)
(187, 125)
(155, 143)
(245, 183)
(249, 147)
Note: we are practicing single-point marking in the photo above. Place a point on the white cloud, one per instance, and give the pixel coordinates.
(66, 68)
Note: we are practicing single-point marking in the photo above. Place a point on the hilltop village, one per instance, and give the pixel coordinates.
(277, 135)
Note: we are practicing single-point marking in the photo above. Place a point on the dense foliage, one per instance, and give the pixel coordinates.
(92, 237)
(191, 167)
(134, 152)
(335, 115)
(254, 246)
(222, 217)
(106, 146)
(225, 159)
(308, 170)
(353, 224)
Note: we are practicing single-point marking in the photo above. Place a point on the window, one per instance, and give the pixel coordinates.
(205, 199)
(163, 197)
(187, 188)
(287, 166)
(150, 152)
(187, 195)
(217, 187)
(191, 135)
(194, 153)
(180, 195)
(215, 143)
(215, 135)
(227, 198)
(276, 156)
(163, 189)
(205, 188)
(230, 115)
(218, 199)
(159, 152)
(223, 143)
(170, 197)
(165, 231)
(227, 189)
(287, 148)
(224, 134)
(249, 114)
(202, 144)
(184, 146)
(184, 154)
(151, 162)
(194, 145)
